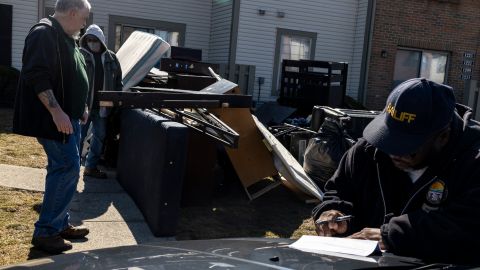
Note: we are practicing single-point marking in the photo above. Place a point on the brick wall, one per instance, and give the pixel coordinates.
(442, 25)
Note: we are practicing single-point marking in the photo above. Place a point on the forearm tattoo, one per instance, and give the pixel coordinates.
(48, 99)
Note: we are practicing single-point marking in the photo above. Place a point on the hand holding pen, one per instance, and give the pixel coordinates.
(332, 222)
(336, 219)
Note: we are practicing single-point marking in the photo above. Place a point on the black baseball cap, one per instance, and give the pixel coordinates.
(415, 110)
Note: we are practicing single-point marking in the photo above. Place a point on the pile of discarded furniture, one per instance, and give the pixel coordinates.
(173, 120)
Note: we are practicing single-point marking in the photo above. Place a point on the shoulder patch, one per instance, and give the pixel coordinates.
(437, 193)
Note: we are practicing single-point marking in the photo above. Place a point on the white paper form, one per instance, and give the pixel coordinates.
(321, 244)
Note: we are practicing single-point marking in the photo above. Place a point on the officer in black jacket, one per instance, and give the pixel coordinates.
(413, 182)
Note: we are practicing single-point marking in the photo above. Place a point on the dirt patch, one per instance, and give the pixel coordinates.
(278, 213)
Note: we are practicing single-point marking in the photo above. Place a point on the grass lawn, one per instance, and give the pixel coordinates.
(278, 213)
(17, 215)
(16, 149)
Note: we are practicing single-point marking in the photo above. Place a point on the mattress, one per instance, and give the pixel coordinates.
(138, 55)
(151, 167)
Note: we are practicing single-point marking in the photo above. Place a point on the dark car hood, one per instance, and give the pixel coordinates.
(246, 253)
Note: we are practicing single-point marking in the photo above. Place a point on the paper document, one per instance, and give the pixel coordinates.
(323, 245)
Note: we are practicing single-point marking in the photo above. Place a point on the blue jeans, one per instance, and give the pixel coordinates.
(99, 129)
(63, 172)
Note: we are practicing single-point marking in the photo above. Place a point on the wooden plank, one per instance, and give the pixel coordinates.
(252, 160)
(183, 99)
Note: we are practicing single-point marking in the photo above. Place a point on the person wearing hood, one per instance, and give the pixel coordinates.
(104, 74)
(412, 182)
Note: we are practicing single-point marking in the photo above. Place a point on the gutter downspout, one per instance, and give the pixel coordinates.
(367, 48)
(233, 40)
(41, 9)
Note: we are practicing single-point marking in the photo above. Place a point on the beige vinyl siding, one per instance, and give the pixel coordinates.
(196, 14)
(220, 32)
(24, 16)
(335, 23)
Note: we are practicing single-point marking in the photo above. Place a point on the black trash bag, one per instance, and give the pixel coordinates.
(324, 152)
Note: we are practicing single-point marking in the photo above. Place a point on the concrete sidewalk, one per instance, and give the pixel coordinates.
(100, 204)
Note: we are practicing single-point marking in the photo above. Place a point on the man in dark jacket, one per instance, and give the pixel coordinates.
(50, 103)
(104, 73)
(413, 181)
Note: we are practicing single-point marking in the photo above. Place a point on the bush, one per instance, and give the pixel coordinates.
(8, 85)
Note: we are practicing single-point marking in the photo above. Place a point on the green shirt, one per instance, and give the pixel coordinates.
(76, 90)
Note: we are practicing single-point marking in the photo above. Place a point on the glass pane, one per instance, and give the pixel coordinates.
(292, 48)
(162, 34)
(118, 36)
(128, 30)
(173, 38)
(434, 66)
(300, 48)
(123, 32)
(407, 65)
(285, 48)
(170, 37)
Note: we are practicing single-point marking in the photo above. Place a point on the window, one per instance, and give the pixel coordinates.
(123, 31)
(294, 48)
(120, 28)
(411, 63)
(6, 35)
(292, 45)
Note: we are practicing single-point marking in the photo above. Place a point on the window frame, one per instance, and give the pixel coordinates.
(447, 64)
(276, 62)
(115, 20)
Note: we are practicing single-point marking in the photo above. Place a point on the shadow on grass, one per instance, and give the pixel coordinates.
(278, 213)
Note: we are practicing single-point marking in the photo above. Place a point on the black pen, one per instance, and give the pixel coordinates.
(337, 219)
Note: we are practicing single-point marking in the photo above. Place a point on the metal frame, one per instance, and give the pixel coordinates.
(204, 122)
(171, 98)
(171, 103)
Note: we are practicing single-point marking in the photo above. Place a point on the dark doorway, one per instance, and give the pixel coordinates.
(6, 35)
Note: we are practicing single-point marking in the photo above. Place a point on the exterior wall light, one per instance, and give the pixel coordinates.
(384, 54)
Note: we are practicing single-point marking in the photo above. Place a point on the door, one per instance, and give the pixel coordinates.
(6, 35)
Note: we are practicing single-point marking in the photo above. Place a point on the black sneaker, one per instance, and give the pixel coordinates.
(94, 172)
(51, 244)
